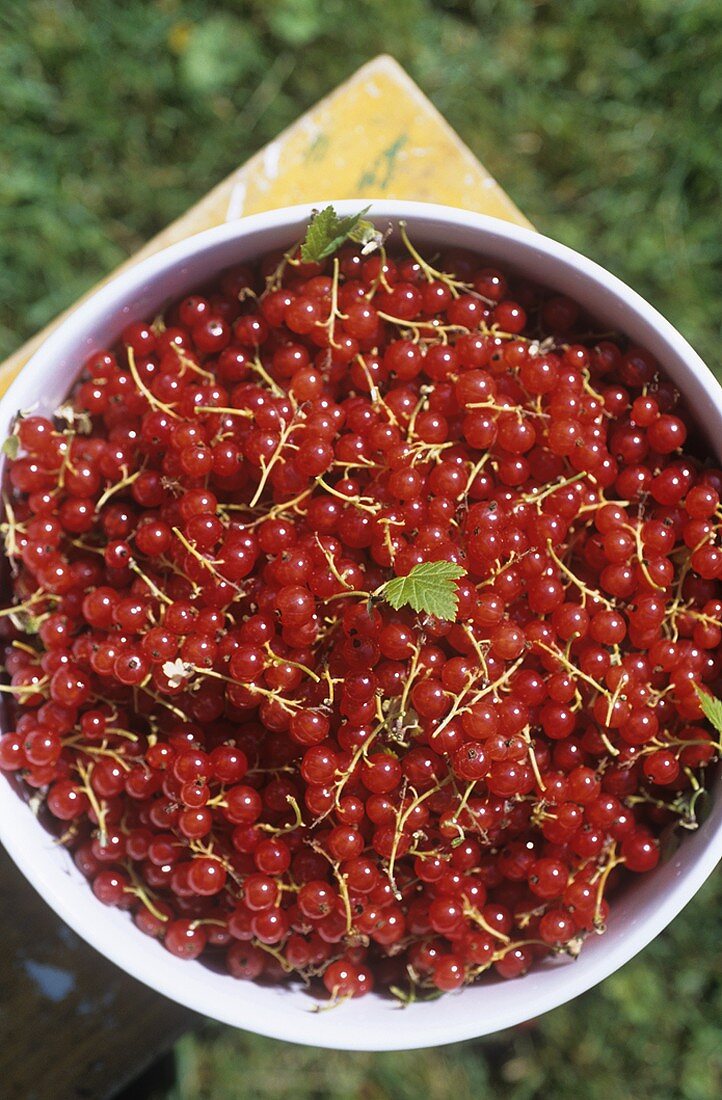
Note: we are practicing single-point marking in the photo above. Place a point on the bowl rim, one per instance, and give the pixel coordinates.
(386, 1032)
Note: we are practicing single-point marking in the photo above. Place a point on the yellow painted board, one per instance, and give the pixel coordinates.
(376, 134)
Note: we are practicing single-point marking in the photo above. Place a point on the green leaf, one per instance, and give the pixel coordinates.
(428, 587)
(711, 708)
(327, 232)
(11, 446)
(365, 233)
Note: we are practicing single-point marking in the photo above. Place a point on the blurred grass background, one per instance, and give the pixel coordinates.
(602, 119)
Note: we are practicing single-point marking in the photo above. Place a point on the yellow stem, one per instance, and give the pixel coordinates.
(150, 398)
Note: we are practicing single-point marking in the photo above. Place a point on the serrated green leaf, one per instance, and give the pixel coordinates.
(711, 708)
(327, 232)
(429, 587)
(11, 446)
(321, 230)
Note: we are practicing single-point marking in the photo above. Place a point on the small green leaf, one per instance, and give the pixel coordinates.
(321, 229)
(367, 235)
(711, 708)
(428, 587)
(11, 446)
(327, 232)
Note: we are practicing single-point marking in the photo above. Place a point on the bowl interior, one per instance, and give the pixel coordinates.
(372, 1023)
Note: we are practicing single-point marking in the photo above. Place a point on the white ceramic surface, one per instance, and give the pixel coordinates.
(370, 1023)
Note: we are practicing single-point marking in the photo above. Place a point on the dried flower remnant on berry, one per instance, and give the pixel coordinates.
(366, 618)
(177, 672)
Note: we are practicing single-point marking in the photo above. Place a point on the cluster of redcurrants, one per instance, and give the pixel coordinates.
(251, 750)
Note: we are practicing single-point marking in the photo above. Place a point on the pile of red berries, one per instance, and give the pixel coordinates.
(242, 742)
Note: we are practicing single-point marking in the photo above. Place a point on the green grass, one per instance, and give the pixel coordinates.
(602, 119)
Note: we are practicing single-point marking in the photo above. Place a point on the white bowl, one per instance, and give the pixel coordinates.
(371, 1023)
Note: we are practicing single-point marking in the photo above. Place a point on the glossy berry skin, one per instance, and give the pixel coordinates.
(184, 940)
(640, 852)
(216, 700)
